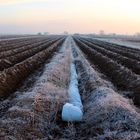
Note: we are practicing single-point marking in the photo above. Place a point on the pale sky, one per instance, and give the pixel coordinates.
(83, 16)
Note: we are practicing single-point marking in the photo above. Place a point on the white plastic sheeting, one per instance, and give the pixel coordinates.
(73, 111)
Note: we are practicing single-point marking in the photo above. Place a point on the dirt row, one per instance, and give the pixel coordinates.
(107, 115)
(10, 49)
(11, 77)
(134, 50)
(124, 52)
(21, 56)
(122, 47)
(12, 44)
(132, 64)
(21, 47)
(122, 77)
(7, 37)
(17, 43)
(37, 113)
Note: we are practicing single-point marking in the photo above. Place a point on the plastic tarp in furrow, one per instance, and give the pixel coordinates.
(73, 111)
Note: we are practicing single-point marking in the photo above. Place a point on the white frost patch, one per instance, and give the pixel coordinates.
(73, 111)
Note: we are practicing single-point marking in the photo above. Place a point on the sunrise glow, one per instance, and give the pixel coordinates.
(55, 16)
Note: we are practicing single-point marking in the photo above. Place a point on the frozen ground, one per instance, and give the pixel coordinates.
(125, 42)
(71, 77)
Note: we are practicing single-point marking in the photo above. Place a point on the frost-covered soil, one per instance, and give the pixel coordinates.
(34, 111)
(133, 43)
(107, 115)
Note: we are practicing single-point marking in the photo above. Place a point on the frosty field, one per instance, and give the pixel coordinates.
(94, 81)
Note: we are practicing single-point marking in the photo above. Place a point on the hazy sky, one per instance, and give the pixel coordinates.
(56, 16)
